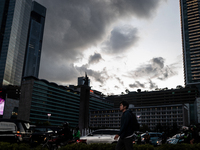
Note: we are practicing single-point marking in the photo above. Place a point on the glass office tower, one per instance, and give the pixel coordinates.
(14, 24)
(34, 43)
(190, 26)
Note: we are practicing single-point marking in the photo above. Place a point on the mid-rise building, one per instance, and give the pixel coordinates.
(165, 115)
(14, 24)
(34, 41)
(187, 95)
(40, 98)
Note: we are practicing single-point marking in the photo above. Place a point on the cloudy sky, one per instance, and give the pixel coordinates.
(121, 44)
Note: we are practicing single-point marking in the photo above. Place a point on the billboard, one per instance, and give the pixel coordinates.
(2, 102)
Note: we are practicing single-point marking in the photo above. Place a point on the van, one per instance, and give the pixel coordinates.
(14, 130)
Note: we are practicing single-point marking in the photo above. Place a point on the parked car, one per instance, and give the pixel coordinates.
(100, 136)
(14, 130)
(176, 139)
(155, 138)
(39, 133)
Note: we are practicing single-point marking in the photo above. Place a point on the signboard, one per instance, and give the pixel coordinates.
(2, 103)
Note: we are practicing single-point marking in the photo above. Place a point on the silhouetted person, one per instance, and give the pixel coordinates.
(193, 134)
(164, 138)
(65, 134)
(77, 133)
(147, 137)
(126, 130)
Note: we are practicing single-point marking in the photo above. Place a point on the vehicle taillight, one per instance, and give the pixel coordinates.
(18, 134)
(53, 140)
(81, 141)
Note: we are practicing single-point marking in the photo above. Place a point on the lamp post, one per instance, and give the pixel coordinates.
(49, 115)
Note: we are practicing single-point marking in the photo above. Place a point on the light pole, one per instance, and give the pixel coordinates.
(49, 115)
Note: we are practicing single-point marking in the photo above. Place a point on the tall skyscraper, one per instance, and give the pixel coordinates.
(34, 42)
(190, 26)
(14, 24)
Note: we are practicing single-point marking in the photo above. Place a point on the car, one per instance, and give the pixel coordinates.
(177, 138)
(100, 136)
(39, 133)
(155, 138)
(14, 130)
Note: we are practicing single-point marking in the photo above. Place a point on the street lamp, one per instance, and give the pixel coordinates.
(49, 115)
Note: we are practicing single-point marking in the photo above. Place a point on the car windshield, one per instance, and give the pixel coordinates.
(39, 130)
(152, 134)
(109, 132)
(96, 132)
(105, 132)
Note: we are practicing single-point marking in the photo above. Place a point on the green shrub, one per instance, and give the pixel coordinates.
(145, 147)
(18, 146)
(81, 146)
(5, 146)
(103, 147)
(179, 147)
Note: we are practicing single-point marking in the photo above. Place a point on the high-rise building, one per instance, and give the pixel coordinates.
(34, 42)
(14, 24)
(190, 27)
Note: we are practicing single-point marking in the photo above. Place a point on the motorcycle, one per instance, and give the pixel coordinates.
(50, 142)
(54, 142)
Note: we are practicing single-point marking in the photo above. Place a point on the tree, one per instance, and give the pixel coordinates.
(127, 91)
(179, 87)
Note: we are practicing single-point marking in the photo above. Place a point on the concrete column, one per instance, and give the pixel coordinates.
(84, 107)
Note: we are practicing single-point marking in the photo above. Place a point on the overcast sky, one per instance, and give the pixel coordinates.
(121, 44)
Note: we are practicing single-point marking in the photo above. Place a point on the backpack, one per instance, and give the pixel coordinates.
(135, 124)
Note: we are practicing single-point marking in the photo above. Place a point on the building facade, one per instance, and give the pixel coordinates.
(190, 27)
(40, 98)
(14, 24)
(163, 97)
(165, 115)
(34, 42)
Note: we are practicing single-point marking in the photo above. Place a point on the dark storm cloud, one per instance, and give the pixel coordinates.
(158, 61)
(59, 73)
(93, 59)
(152, 85)
(121, 39)
(74, 25)
(154, 69)
(120, 81)
(137, 84)
(99, 76)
